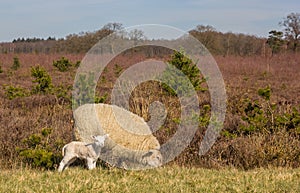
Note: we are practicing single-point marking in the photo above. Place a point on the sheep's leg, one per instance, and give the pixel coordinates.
(64, 164)
(91, 164)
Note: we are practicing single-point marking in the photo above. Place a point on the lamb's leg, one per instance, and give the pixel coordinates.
(64, 164)
(91, 163)
(61, 166)
(94, 163)
(70, 162)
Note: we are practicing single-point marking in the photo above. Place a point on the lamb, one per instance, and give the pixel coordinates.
(88, 151)
(131, 144)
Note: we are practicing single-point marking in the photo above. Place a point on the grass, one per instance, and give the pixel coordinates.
(165, 179)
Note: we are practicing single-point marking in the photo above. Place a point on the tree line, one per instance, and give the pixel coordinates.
(218, 43)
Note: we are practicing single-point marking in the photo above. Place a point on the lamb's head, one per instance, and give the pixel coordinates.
(100, 139)
(152, 158)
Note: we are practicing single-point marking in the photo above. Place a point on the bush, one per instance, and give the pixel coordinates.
(262, 116)
(175, 78)
(62, 93)
(38, 152)
(101, 99)
(255, 118)
(289, 121)
(77, 64)
(12, 92)
(42, 78)
(84, 91)
(117, 69)
(16, 64)
(64, 64)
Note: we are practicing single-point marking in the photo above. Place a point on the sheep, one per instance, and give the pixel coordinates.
(131, 144)
(77, 149)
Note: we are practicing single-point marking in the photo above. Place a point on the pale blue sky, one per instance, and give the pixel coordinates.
(58, 18)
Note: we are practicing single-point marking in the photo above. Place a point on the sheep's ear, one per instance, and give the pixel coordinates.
(93, 136)
(106, 136)
(147, 154)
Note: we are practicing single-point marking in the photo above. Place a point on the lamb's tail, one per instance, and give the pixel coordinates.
(63, 150)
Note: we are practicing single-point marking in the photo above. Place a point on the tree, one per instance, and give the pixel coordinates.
(292, 29)
(113, 27)
(136, 35)
(275, 41)
(62, 64)
(16, 64)
(175, 78)
(42, 78)
(206, 35)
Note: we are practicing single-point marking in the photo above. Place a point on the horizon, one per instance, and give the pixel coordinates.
(29, 19)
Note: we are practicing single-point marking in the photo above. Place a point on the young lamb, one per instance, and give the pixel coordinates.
(88, 151)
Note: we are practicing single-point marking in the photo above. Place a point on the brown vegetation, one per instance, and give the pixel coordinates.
(243, 76)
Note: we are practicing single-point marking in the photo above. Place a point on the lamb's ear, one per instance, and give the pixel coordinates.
(93, 136)
(106, 136)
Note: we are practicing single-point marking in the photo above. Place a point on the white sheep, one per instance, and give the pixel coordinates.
(88, 151)
(131, 144)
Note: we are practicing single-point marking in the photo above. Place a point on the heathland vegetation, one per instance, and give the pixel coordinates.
(261, 129)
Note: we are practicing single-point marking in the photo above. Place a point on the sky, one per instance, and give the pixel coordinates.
(59, 18)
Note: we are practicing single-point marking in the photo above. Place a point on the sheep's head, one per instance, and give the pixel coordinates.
(152, 158)
(100, 139)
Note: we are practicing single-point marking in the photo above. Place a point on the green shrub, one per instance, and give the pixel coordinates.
(84, 91)
(43, 80)
(38, 158)
(62, 93)
(204, 117)
(175, 79)
(259, 116)
(12, 92)
(255, 118)
(16, 64)
(118, 69)
(38, 152)
(101, 99)
(265, 93)
(265, 117)
(77, 64)
(63, 64)
(289, 121)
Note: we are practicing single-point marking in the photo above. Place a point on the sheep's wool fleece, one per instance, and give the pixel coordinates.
(125, 129)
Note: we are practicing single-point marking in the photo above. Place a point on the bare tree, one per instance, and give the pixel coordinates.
(206, 35)
(113, 27)
(136, 35)
(292, 29)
